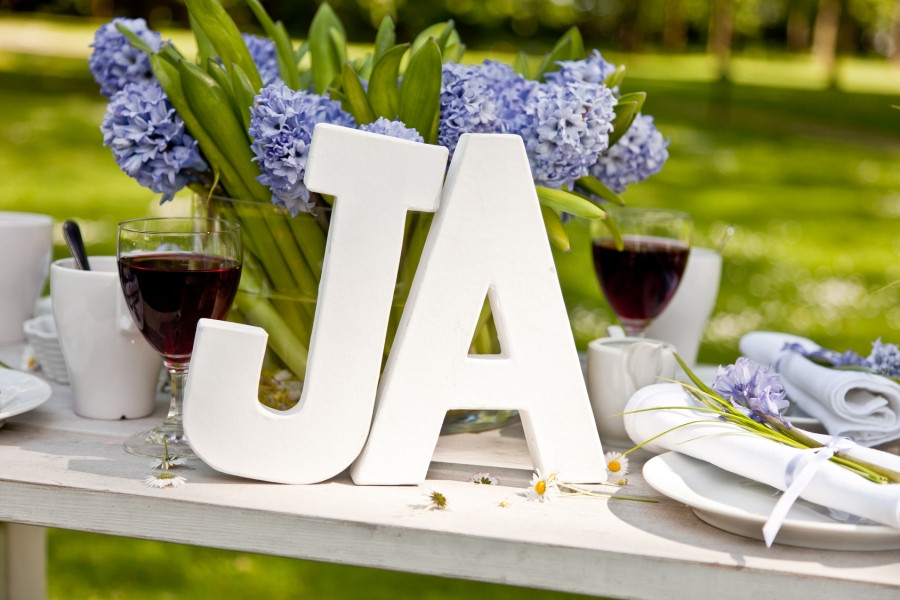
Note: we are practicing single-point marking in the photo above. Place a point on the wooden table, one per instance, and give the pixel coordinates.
(59, 470)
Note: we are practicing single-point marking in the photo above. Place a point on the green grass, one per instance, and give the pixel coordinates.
(99, 567)
(809, 176)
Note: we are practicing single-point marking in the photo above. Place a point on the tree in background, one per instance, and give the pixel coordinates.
(825, 28)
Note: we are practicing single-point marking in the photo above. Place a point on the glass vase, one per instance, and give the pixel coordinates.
(283, 257)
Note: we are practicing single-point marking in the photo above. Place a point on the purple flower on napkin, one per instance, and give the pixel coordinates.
(885, 358)
(755, 390)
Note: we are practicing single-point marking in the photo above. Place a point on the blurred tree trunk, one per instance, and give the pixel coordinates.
(721, 29)
(675, 27)
(102, 8)
(825, 35)
(895, 35)
(798, 28)
(632, 29)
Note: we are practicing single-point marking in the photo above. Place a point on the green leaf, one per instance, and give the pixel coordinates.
(626, 110)
(205, 49)
(615, 78)
(210, 16)
(363, 66)
(356, 102)
(244, 95)
(550, 59)
(576, 51)
(453, 52)
(338, 44)
(555, 229)
(444, 37)
(569, 202)
(437, 31)
(385, 39)
(384, 91)
(211, 107)
(598, 188)
(521, 65)
(569, 47)
(420, 91)
(326, 62)
(638, 97)
(217, 72)
(136, 41)
(284, 52)
(302, 51)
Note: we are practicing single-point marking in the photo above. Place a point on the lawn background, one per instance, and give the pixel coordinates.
(808, 175)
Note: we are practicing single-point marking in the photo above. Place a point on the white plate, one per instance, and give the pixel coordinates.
(741, 506)
(20, 392)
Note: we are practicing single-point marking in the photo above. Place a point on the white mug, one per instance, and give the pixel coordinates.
(617, 367)
(683, 321)
(112, 369)
(26, 244)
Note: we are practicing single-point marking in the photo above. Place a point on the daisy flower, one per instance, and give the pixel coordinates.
(164, 479)
(29, 362)
(167, 462)
(437, 501)
(617, 464)
(543, 488)
(485, 478)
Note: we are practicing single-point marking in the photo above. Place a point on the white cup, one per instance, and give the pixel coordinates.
(113, 371)
(617, 367)
(684, 320)
(26, 244)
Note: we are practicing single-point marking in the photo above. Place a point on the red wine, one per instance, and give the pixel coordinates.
(640, 280)
(168, 293)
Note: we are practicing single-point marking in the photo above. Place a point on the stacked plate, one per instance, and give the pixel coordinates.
(41, 335)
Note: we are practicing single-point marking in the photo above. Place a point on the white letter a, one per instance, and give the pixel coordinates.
(488, 239)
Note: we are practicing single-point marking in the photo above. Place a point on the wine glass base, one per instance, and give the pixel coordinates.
(635, 327)
(159, 441)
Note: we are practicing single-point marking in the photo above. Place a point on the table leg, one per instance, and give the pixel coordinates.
(23, 562)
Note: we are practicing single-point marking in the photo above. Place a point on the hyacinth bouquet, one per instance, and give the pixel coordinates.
(237, 121)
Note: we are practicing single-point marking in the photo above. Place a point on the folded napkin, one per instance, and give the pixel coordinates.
(733, 449)
(862, 406)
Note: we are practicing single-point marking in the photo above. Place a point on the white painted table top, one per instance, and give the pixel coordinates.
(59, 470)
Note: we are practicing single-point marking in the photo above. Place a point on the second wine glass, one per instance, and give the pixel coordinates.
(175, 271)
(639, 278)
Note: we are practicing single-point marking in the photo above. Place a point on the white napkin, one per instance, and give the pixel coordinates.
(862, 406)
(729, 447)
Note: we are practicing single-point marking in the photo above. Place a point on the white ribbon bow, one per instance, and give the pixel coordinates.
(796, 479)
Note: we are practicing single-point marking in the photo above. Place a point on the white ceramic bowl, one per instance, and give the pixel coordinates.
(41, 335)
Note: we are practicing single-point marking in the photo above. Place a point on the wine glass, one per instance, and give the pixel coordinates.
(639, 278)
(175, 271)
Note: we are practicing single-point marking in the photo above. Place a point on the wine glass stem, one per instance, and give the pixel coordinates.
(178, 377)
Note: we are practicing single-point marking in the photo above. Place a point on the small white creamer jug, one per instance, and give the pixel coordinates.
(617, 367)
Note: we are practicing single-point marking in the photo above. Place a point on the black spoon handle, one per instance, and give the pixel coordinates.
(76, 245)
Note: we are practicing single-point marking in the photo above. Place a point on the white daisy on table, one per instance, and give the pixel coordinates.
(164, 479)
(485, 478)
(543, 487)
(616, 465)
